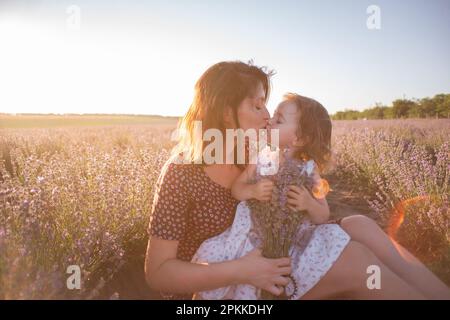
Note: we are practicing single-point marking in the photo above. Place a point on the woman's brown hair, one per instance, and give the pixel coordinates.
(314, 129)
(224, 84)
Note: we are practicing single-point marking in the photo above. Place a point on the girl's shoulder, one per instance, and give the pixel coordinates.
(308, 167)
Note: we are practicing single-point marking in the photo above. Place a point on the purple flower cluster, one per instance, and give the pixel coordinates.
(82, 197)
(404, 172)
(71, 197)
(275, 223)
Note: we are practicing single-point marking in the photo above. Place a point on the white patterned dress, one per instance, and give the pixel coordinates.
(314, 251)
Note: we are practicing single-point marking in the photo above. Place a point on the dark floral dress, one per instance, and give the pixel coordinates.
(189, 207)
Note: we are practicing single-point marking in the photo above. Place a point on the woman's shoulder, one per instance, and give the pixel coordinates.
(175, 166)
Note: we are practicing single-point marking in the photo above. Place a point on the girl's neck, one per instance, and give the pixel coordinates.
(284, 154)
(287, 152)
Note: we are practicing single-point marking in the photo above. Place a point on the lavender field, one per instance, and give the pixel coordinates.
(81, 195)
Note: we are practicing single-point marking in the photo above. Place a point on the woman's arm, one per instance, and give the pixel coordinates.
(243, 190)
(166, 273)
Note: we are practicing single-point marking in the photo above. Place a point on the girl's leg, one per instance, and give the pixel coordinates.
(394, 256)
(348, 278)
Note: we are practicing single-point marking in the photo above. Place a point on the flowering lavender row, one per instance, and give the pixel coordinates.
(403, 168)
(73, 197)
(82, 196)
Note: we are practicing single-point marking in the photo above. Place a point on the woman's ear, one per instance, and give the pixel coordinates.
(300, 142)
(228, 117)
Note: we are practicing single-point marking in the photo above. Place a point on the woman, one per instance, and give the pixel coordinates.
(193, 203)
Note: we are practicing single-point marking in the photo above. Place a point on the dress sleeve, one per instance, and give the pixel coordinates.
(168, 218)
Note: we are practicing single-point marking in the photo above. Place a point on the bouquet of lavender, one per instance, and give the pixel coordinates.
(274, 222)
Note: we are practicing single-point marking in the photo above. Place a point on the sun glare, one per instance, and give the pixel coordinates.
(49, 71)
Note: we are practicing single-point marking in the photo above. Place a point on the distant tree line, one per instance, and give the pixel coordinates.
(436, 107)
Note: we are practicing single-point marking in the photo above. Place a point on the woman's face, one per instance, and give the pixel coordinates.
(252, 112)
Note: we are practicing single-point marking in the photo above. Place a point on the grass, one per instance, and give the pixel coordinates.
(8, 121)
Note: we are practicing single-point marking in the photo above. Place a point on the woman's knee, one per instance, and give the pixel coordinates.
(358, 224)
(358, 255)
(357, 219)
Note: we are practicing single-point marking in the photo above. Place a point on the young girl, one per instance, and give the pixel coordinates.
(304, 134)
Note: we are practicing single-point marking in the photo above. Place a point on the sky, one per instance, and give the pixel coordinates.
(144, 57)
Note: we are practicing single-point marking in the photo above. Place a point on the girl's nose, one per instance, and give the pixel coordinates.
(266, 114)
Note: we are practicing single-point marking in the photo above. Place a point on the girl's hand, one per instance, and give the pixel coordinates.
(264, 273)
(299, 198)
(262, 190)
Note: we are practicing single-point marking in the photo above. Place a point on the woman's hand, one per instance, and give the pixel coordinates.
(264, 273)
(262, 190)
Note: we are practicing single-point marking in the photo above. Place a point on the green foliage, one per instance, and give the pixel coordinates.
(436, 107)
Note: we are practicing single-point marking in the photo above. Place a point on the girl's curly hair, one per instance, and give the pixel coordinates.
(314, 128)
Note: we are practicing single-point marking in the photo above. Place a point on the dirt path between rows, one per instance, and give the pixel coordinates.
(345, 200)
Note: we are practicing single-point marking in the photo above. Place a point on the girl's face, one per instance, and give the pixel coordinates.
(252, 112)
(285, 119)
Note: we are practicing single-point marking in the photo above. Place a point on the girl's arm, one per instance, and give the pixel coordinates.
(164, 272)
(319, 211)
(242, 188)
(299, 198)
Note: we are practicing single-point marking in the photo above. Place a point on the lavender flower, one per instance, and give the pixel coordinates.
(275, 223)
